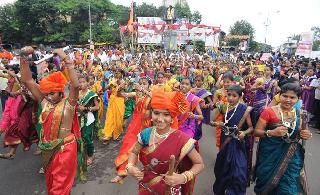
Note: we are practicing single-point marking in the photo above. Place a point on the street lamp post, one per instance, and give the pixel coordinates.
(90, 27)
(267, 23)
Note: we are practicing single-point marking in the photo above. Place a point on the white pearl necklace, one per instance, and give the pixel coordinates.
(226, 119)
(161, 136)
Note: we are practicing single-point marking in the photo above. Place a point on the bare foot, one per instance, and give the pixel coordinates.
(26, 148)
(8, 156)
(117, 179)
(37, 152)
(89, 161)
(41, 171)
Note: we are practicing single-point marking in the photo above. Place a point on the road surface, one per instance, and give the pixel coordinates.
(20, 176)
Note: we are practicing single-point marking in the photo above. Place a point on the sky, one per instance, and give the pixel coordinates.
(286, 17)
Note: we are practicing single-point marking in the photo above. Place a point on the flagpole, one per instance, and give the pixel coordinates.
(90, 28)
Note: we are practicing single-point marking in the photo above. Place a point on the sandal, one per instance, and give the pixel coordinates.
(117, 180)
(8, 156)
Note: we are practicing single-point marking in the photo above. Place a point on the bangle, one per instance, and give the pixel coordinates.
(267, 133)
(189, 175)
(185, 178)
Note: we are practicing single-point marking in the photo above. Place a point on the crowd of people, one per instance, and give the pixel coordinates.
(160, 101)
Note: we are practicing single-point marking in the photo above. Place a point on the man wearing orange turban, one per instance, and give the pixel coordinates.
(59, 134)
(4, 54)
(53, 83)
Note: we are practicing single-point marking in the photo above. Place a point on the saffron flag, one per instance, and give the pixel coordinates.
(130, 22)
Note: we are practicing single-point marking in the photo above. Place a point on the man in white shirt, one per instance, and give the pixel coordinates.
(316, 84)
(3, 86)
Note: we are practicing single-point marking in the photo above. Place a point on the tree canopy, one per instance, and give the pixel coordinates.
(316, 35)
(243, 27)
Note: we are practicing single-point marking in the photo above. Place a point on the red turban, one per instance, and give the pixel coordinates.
(55, 82)
(174, 102)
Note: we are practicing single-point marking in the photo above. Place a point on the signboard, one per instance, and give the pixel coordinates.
(265, 56)
(305, 44)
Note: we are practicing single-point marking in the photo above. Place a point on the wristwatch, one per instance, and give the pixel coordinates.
(266, 133)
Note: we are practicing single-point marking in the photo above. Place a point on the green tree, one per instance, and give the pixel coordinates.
(182, 11)
(196, 17)
(241, 27)
(162, 10)
(199, 46)
(316, 35)
(316, 32)
(9, 24)
(39, 21)
(295, 37)
(316, 45)
(258, 47)
(146, 10)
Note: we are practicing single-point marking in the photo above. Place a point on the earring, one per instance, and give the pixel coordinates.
(172, 122)
(151, 120)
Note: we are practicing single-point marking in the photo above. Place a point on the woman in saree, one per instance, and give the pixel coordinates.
(206, 105)
(265, 88)
(158, 144)
(231, 167)
(96, 87)
(308, 92)
(19, 122)
(280, 155)
(189, 121)
(249, 80)
(220, 100)
(140, 120)
(160, 82)
(129, 103)
(88, 116)
(206, 96)
(59, 138)
(114, 118)
(208, 80)
(13, 87)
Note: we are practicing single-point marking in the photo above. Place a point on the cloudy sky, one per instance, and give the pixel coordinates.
(286, 17)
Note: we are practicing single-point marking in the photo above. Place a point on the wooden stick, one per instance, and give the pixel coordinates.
(172, 163)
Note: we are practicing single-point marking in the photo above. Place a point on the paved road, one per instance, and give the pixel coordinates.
(20, 176)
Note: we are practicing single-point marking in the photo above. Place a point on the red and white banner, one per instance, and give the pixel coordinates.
(150, 29)
(305, 44)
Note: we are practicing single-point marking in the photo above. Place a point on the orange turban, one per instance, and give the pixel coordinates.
(6, 55)
(175, 102)
(55, 82)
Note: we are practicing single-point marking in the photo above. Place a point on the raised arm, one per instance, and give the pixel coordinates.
(26, 75)
(74, 82)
